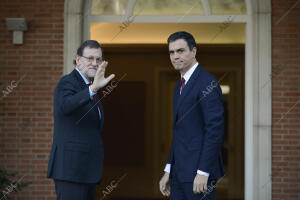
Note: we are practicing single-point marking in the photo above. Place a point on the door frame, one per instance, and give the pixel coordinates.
(258, 99)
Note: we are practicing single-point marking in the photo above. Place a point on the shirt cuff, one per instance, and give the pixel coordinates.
(202, 173)
(91, 92)
(168, 168)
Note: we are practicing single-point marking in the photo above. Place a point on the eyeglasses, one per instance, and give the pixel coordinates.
(91, 59)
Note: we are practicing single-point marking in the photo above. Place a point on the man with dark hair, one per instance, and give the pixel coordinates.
(195, 163)
(76, 158)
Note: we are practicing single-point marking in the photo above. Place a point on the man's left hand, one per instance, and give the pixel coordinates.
(200, 184)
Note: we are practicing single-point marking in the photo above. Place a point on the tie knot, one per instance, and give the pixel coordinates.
(89, 84)
(182, 80)
(182, 84)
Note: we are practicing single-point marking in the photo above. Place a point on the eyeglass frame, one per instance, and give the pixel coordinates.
(91, 59)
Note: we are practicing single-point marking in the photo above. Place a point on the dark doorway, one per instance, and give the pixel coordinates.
(138, 118)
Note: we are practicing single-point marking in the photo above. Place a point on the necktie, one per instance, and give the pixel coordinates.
(182, 84)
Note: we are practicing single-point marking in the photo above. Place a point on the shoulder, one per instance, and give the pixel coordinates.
(206, 78)
(68, 79)
(208, 86)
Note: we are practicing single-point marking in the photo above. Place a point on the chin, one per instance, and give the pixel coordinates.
(91, 75)
(178, 68)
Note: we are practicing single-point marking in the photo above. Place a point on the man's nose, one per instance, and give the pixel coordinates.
(176, 55)
(94, 63)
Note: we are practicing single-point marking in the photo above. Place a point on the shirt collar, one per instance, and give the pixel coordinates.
(189, 73)
(85, 80)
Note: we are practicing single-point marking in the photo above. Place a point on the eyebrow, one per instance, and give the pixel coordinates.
(180, 49)
(92, 57)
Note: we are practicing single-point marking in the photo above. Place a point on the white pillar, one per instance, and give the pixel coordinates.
(258, 103)
(72, 31)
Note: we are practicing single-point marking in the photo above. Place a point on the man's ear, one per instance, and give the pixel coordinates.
(77, 59)
(194, 50)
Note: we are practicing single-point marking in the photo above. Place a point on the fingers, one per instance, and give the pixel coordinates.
(162, 190)
(105, 81)
(204, 187)
(196, 188)
(164, 187)
(103, 64)
(110, 77)
(167, 190)
(200, 184)
(102, 67)
(199, 187)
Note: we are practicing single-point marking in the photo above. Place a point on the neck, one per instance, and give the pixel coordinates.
(88, 78)
(187, 68)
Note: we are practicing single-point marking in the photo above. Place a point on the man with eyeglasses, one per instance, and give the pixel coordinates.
(76, 158)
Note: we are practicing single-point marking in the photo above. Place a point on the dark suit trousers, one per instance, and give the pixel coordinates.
(184, 191)
(66, 190)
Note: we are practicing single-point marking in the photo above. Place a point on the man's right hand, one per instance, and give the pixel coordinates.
(164, 184)
(99, 80)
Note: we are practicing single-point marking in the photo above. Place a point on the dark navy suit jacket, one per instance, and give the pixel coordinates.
(198, 128)
(77, 150)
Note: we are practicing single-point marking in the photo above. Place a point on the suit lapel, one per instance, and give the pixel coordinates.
(79, 79)
(187, 88)
(175, 99)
